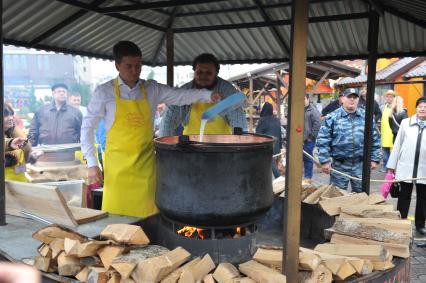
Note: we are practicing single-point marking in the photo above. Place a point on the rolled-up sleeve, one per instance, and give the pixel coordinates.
(95, 112)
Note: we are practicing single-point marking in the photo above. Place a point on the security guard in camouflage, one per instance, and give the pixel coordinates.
(340, 142)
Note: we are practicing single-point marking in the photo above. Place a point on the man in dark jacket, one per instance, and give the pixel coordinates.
(310, 132)
(332, 106)
(270, 125)
(56, 122)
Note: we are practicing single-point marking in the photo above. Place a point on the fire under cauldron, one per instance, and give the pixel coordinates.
(224, 180)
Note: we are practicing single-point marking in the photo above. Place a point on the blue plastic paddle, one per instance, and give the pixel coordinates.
(228, 104)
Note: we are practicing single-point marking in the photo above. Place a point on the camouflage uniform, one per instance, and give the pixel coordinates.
(341, 138)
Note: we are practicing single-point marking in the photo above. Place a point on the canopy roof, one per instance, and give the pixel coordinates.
(236, 31)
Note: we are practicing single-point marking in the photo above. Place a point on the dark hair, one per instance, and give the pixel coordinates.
(125, 48)
(206, 58)
(267, 110)
(307, 95)
(59, 85)
(8, 110)
(421, 100)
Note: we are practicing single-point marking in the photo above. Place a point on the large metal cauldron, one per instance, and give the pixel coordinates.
(226, 180)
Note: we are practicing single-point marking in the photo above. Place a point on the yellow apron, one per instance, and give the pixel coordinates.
(130, 175)
(217, 126)
(17, 172)
(386, 131)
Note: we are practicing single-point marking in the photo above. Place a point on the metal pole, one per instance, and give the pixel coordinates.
(170, 55)
(251, 122)
(293, 186)
(279, 96)
(2, 184)
(373, 34)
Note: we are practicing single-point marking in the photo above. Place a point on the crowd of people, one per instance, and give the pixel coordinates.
(124, 113)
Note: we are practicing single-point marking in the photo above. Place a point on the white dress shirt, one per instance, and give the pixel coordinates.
(102, 106)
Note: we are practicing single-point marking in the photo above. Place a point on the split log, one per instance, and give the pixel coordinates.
(125, 234)
(97, 275)
(382, 265)
(374, 198)
(83, 274)
(225, 272)
(156, 268)
(208, 279)
(125, 264)
(332, 205)
(175, 275)
(115, 278)
(91, 261)
(108, 253)
(68, 265)
(321, 274)
(57, 246)
(334, 263)
(242, 280)
(42, 263)
(380, 229)
(394, 249)
(307, 190)
(371, 252)
(49, 233)
(314, 197)
(198, 271)
(272, 258)
(308, 261)
(44, 250)
(89, 248)
(261, 273)
(333, 192)
(278, 185)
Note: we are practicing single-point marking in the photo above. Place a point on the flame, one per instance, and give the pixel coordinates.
(187, 231)
(238, 231)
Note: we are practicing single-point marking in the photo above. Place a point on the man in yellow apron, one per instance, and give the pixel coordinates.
(127, 104)
(206, 70)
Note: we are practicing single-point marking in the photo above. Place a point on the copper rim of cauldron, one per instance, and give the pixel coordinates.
(219, 140)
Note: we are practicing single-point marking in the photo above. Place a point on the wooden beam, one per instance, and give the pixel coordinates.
(292, 201)
(278, 98)
(170, 56)
(323, 77)
(377, 6)
(373, 36)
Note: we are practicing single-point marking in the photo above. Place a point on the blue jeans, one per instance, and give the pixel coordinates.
(386, 155)
(308, 164)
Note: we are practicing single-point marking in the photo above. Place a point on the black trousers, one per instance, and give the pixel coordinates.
(404, 200)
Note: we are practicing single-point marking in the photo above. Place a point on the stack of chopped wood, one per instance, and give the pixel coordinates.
(367, 228)
(126, 256)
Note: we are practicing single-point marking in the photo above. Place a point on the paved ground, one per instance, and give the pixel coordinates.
(418, 255)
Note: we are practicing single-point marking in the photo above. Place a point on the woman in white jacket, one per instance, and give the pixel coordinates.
(408, 160)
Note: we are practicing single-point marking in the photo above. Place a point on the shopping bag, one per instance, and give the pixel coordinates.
(390, 176)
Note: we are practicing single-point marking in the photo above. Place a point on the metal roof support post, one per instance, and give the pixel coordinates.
(373, 35)
(279, 96)
(251, 103)
(293, 180)
(170, 55)
(2, 185)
